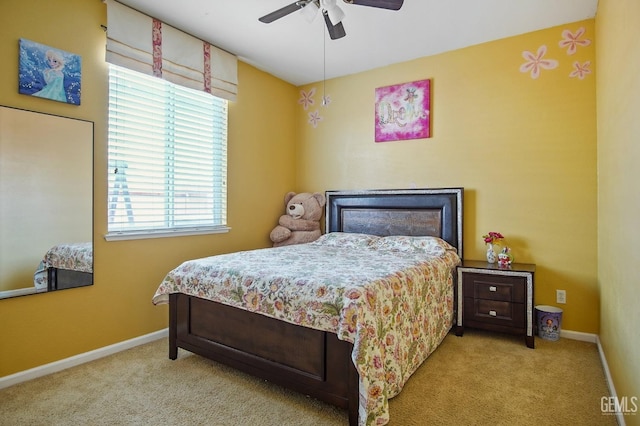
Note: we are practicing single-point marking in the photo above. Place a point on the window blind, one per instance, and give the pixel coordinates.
(167, 156)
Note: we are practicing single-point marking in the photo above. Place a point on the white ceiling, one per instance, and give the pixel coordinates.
(292, 48)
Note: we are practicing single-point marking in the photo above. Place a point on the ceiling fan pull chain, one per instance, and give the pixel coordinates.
(324, 68)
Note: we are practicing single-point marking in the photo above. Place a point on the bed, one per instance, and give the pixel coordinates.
(350, 334)
(63, 266)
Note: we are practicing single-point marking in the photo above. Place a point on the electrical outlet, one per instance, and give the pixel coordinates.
(561, 296)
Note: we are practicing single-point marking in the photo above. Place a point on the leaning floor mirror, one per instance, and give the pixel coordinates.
(46, 202)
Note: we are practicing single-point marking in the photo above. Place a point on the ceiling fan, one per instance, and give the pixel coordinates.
(332, 14)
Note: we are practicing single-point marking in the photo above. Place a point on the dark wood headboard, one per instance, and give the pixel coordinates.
(383, 212)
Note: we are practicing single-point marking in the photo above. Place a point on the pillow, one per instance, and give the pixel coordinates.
(429, 245)
(345, 239)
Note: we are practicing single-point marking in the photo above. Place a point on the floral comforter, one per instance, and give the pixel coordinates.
(71, 256)
(392, 297)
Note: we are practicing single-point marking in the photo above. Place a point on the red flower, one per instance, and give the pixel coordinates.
(492, 238)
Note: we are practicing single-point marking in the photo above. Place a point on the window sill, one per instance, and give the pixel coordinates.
(143, 235)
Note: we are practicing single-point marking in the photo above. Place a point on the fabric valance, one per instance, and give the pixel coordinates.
(144, 44)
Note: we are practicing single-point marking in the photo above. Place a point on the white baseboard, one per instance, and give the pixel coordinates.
(589, 337)
(578, 335)
(63, 364)
(609, 379)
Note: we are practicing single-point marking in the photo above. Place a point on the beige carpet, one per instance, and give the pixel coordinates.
(478, 379)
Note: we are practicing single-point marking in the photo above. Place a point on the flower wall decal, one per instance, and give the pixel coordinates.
(580, 70)
(306, 98)
(315, 118)
(536, 62)
(571, 41)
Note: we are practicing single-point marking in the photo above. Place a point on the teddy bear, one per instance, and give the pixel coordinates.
(301, 222)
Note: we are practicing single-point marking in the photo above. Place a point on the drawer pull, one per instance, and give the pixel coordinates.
(492, 313)
(493, 288)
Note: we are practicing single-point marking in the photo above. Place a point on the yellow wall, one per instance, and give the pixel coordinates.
(43, 328)
(618, 87)
(524, 149)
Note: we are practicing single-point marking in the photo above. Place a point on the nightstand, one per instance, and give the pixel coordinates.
(496, 299)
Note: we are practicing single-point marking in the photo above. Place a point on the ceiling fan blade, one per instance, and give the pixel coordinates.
(381, 4)
(335, 31)
(282, 12)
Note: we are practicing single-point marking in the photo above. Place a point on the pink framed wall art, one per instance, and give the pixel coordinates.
(403, 111)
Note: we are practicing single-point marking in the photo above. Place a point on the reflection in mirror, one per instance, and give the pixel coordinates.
(46, 202)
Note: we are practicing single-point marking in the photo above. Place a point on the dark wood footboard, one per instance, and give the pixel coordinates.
(308, 361)
(61, 279)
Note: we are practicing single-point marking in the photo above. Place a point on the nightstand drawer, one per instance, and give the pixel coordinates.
(494, 312)
(494, 287)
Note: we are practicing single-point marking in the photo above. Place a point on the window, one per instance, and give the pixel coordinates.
(167, 158)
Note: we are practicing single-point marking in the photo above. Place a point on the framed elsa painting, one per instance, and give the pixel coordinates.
(49, 73)
(403, 111)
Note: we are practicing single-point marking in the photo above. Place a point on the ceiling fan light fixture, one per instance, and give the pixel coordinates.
(335, 14)
(310, 11)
